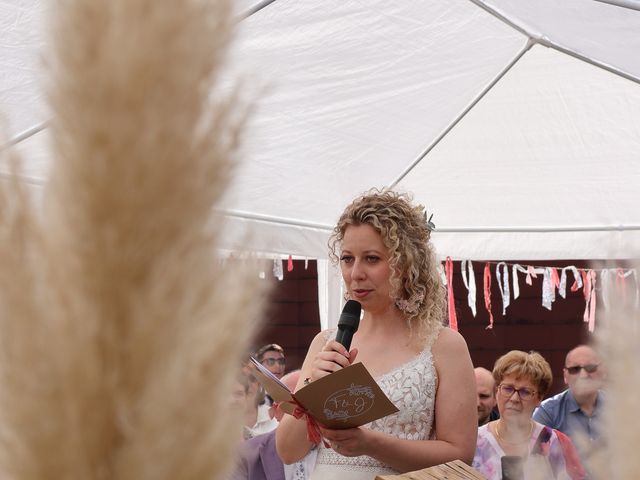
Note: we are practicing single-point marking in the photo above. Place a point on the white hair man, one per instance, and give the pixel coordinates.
(577, 411)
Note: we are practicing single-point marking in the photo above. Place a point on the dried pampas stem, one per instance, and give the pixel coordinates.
(120, 332)
(618, 340)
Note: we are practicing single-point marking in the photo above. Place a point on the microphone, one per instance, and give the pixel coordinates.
(348, 323)
(512, 467)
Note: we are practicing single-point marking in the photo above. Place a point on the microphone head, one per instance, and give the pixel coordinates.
(350, 316)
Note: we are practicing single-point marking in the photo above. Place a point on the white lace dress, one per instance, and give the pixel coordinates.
(412, 388)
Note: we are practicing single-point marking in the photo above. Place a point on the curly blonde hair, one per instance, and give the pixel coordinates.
(415, 279)
(530, 365)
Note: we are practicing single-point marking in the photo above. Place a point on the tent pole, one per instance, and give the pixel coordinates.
(632, 4)
(541, 229)
(521, 229)
(273, 219)
(256, 8)
(456, 120)
(30, 132)
(544, 41)
(41, 126)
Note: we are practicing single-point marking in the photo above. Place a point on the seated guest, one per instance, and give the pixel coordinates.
(522, 380)
(259, 459)
(578, 410)
(486, 388)
(271, 356)
(240, 400)
(258, 415)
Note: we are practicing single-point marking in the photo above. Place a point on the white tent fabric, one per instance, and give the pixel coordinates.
(516, 123)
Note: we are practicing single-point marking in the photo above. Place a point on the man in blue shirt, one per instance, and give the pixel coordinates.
(578, 410)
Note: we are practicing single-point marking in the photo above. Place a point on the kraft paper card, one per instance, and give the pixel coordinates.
(456, 470)
(347, 398)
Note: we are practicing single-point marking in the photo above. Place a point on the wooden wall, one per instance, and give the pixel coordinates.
(527, 325)
(292, 319)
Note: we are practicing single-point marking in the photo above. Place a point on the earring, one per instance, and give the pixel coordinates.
(411, 305)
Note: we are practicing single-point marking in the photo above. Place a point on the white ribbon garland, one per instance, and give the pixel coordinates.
(605, 281)
(443, 274)
(548, 289)
(278, 271)
(516, 285)
(503, 286)
(562, 289)
(470, 283)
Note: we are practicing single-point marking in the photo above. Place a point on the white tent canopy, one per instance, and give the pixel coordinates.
(516, 123)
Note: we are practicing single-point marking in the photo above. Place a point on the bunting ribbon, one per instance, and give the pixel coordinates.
(530, 271)
(577, 282)
(514, 274)
(589, 281)
(487, 293)
(549, 284)
(290, 264)
(621, 284)
(503, 286)
(453, 320)
(277, 269)
(470, 283)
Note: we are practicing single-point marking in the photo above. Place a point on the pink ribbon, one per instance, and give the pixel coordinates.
(453, 320)
(555, 279)
(487, 293)
(589, 281)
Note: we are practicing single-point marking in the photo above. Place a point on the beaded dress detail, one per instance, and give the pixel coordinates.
(412, 389)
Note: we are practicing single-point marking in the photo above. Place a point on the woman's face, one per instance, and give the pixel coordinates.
(513, 405)
(365, 267)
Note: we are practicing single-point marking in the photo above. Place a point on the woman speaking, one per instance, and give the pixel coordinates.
(389, 266)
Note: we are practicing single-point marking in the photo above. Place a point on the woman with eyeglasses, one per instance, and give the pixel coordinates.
(515, 439)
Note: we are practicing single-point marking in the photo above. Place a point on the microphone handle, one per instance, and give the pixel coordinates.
(344, 337)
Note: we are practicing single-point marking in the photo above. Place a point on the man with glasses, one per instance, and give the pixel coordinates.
(272, 357)
(578, 410)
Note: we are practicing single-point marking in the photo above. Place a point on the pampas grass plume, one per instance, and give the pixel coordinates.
(120, 331)
(618, 341)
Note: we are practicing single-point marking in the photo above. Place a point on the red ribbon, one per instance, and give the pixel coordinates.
(313, 429)
(453, 319)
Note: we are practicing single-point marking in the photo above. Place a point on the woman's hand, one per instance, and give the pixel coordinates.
(331, 358)
(350, 442)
